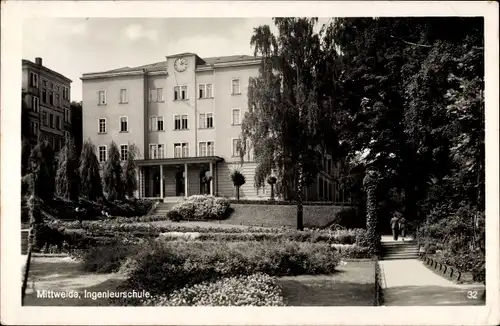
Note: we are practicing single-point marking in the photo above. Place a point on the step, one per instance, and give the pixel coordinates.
(405, 256)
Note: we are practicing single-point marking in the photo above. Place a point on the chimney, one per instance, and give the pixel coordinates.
(38, 61)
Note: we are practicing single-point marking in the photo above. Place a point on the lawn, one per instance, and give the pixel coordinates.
(352, 285)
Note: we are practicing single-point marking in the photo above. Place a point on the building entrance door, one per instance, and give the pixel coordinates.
(179, 183)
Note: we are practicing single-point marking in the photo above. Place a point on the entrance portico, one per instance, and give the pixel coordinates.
(177, 177)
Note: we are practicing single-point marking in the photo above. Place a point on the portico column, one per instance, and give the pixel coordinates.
(161, 180)
(211, 183)
(186, 180)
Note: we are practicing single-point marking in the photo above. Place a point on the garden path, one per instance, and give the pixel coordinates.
(408, 282)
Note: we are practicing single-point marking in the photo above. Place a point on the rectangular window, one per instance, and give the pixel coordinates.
(66, 115)
(177, 91)
(58, 89)
(159, 123)
(66, 94)
(123, 124)
(210, 148)
(205, 90)
(206, 120)
(123, 152)
(101, 98)
(184, 121)
(44, 95)
(44, 118)
(161, 151)
(58, 122)
(236, 116)
(159, 94)
(236, 147)
(152, 94)
(202, 149)
(152, 123)
(51, 120)
(180, 122)
(235, 86)
(123, 96)
(153, 154)
(206, 148)
(34, 126)
(102, 153)
(58, 100)
(33, 80)
(184, 93)
(177, 122)
(44, 83)
(203, 121)
(181, 150)
(209, 91)
(51, 98)
(102, 125)
(35, 104)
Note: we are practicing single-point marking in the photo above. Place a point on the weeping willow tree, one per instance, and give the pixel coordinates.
(287, 114)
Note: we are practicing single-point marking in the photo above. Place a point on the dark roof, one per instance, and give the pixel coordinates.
(50, 71)
(205, 62)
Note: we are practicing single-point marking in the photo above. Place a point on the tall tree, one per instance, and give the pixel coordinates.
(77, 125)
(130, 171)
(112, 174)
(67, 178)
(90, 179)
(41, 164)
(283, 122)
(394, 84)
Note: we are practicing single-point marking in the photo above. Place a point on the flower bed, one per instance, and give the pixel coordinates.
(253, 290)
(340, 237)
(200, 207)
(161, 267)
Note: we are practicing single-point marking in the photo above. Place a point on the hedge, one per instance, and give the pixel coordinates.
(200, 207)
(162, 267)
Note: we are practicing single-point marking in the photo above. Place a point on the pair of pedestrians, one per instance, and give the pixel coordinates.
(398, 225)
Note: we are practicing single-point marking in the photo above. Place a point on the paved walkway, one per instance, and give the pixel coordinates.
(407, 282)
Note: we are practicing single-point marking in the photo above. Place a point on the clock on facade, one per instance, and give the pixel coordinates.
(180, 64)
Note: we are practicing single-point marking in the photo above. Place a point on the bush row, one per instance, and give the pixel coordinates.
(200, 207)
(160, 267)
(283, 202)
(253, 290)
(341, 237)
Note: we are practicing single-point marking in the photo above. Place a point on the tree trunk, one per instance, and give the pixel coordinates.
(300, 208)
(238, 193)
(272, 192)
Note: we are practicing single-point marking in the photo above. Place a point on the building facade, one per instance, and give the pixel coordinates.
(46, 96)
(184, 117)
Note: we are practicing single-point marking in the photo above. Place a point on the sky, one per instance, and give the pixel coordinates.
(74, 46)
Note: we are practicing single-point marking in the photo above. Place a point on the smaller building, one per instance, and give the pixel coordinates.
(47, 97)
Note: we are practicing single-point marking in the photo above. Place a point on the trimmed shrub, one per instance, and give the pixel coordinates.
(170, 265)
(201, 207)
(253, 290)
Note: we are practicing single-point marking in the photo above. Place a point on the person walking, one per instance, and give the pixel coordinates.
(395, 226)
(402, 227)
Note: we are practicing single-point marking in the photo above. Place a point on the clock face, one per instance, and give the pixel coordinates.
(180, 64)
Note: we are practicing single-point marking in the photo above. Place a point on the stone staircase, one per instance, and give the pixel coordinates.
(163, 208)
(399, 250)
(24, 241)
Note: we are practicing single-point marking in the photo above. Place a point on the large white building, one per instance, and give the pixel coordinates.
(184, 115)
